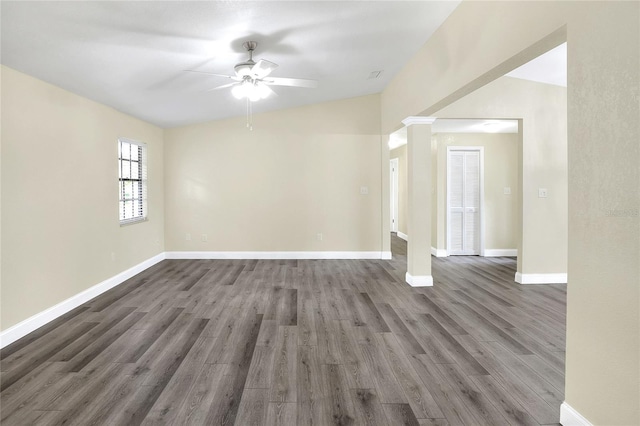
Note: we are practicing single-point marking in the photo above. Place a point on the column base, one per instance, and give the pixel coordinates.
(419, 280)
(541, 278)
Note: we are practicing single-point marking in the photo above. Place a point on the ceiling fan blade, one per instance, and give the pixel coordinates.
(233, 77)
(224, 86)
(263, 68)
(292, 82)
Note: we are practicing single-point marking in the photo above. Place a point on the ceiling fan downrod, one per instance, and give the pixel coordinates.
(250, 46)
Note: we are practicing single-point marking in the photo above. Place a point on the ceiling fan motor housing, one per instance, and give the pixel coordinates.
(244, 68)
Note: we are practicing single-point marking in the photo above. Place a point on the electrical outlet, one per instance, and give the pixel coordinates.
(364, 190)
(319, 236)
(187, 237)
(507, 190)
(542, 192)
(204, 238)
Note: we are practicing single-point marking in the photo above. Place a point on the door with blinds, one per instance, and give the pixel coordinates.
(464, 187)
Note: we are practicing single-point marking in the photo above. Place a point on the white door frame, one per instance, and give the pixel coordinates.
(480, 149)
(393, 173)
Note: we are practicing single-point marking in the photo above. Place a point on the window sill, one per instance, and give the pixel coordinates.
(133, 221)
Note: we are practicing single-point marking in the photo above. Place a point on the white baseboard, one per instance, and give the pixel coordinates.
(570, 417)
(386, 255)
(439, 252)
(541, 278)
(403, 236)
(419, 280)
(276, 254)
(25, 327)
(500, 252)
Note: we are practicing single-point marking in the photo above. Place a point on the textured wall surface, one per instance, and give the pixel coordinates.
(61, 229)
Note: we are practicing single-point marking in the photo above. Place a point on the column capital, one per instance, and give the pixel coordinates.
(416, 119)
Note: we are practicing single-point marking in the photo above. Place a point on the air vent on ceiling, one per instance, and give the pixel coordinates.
(374, 74)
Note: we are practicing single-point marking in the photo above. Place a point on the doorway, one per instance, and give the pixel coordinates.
(465, 199)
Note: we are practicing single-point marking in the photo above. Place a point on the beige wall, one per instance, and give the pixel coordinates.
(603, 320)
(435, 182)
(419, 203)
(543, 162)
(2, 327)
(297, 174)
(401, 154)
(60, 198)
(482, 41)
(500, 171)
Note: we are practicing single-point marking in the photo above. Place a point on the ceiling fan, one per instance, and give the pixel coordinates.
(252, 81)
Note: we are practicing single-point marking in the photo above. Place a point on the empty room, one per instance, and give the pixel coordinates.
(320, 213)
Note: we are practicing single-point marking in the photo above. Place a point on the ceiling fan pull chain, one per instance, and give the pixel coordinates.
(249, 115)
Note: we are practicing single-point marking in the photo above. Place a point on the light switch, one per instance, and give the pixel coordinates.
(364, 190)
(542, 192)
(507, 190)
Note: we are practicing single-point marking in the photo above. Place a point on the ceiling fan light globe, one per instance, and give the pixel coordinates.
(254, 96)
(238, 91)
(263, 90)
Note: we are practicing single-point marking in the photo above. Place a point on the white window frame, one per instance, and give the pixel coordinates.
(139, 203)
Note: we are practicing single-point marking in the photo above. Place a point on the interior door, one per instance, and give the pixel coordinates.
(464, 202)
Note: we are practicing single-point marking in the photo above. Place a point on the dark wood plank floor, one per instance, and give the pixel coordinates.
(291, 342)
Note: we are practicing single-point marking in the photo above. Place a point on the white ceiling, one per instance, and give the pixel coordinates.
(550, 68)
(446, 125)
(131, 55)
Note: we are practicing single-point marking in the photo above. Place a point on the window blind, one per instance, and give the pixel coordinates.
(132, 180)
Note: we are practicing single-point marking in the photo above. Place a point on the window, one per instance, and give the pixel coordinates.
(132, 181)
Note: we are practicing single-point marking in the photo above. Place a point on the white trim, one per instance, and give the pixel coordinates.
(419, 280)
(386, 255)
(541, 278)
(570, 417)
(403, 236)
(480, 149)
(143, 164)
(275, 254)
(439, 252)
(394, 196)
(500, 252)
(36, 321)
(414, 119)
